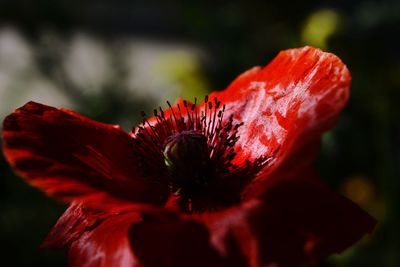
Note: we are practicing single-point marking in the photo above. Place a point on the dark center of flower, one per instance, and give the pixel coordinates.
(191, 149)
(187, 158)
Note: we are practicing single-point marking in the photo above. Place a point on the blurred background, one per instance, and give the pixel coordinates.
(111, 59)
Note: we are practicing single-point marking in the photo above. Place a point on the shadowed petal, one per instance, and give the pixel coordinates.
(76, 220)
(71, 157)
(175, 242)
(297, 219)
(106, 245)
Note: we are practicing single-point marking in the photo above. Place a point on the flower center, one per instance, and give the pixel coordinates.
(191, 149)
(187, 158)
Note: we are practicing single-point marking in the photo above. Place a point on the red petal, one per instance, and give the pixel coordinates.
(106, 245)
(287, 103)
(76, 220)
(296, 216)
(72, 157)
(174, 242)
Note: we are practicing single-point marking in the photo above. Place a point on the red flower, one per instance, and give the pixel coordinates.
(228, 182)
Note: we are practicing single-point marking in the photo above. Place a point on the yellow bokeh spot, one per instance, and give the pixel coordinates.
(359, 189)
(184, 69)
(319, 27)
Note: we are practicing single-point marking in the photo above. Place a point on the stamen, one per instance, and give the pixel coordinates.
(220, 134)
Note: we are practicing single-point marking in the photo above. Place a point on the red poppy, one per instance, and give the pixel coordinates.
(227, 182)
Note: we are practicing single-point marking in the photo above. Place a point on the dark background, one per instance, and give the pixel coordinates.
(111, 59)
